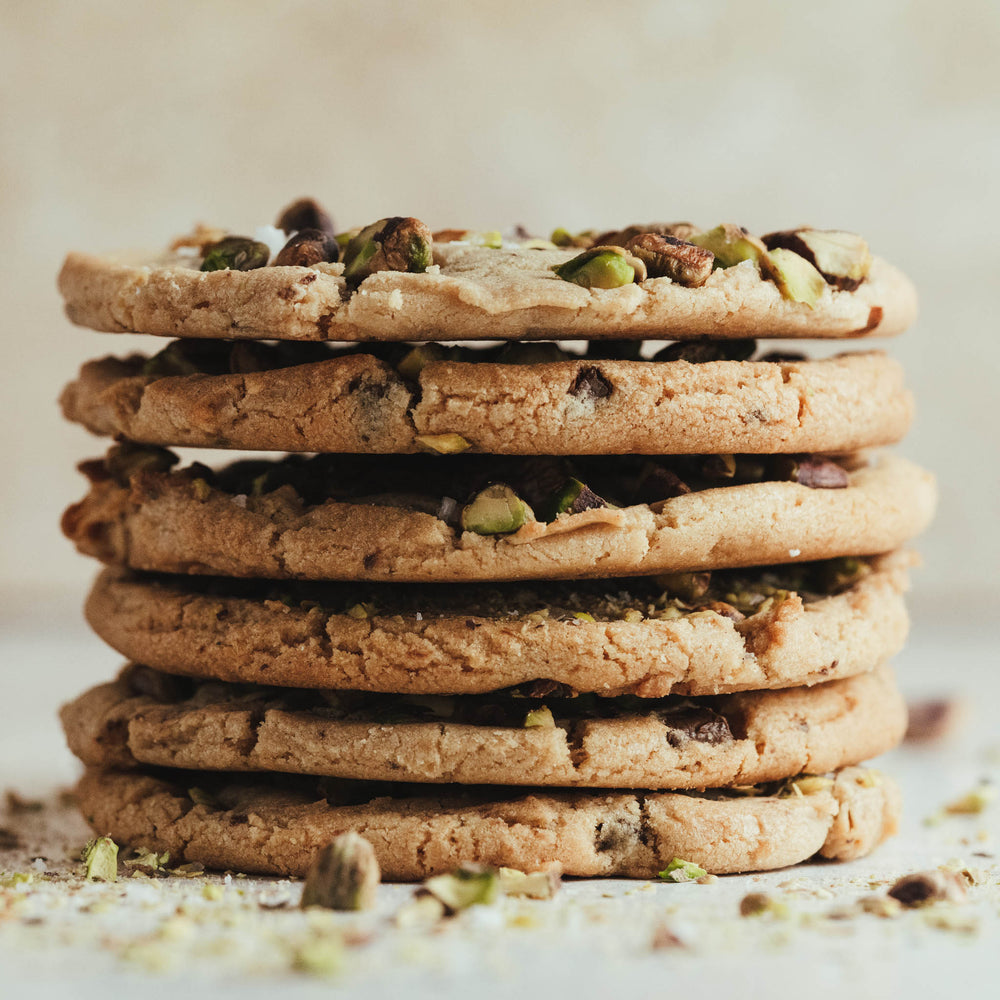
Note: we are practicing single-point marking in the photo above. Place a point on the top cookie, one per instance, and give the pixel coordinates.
(393, 282)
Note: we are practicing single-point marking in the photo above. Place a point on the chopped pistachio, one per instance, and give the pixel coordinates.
(632, 616)
(584, 616)
(757, 904)
(443, 444)
(807, 785)
(842, 259)
(972, 803)
(412, 363)
(319, 956)
(491, 238)
(235, 253)
(362, 610)
(796, 278)
(602, 267)
(148, 861)
(880, 906)
(534, 885)
(394, 244)
(573, 497)
(213, 893)
(101, 858)
(732, 245)
(686, 586)
(202, 798)
(929, 887)
(469, 885)
(344, 875)
(496, 510)
(423, 911)
(564, 238)
(668, 257)
(539, 718)
(680, 870)
(202, 490)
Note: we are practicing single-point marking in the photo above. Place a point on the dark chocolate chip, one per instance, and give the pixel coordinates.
(695, 723)
(698, 351)
(591, 384)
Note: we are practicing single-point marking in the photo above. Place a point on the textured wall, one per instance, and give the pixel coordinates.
(123, 123)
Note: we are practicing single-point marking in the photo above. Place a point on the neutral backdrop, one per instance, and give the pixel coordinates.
(124, 123)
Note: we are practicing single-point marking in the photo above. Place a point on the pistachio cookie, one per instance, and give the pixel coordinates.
(693, 634)
(395, 280)
(489, 518)
(529, 399)
(277, 825)
(153, 718)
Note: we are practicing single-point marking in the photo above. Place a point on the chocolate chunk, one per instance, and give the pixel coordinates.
(658, 483)
(776, 356)
(695, 722)
(161, 687)
(698, 351)
(591, 384)
(616, 834)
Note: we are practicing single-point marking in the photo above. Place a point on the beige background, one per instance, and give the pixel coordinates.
(123, 123)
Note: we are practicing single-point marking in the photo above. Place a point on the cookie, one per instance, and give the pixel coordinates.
(358, 403)
(586, 741)
(468, 293)
(803, 624)
(180, 523)
(276, 826)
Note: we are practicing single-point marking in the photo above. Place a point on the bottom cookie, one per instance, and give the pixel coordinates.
(276, 825)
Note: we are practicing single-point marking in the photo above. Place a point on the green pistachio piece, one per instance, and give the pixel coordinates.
(322, 957)
(492, 239)
(496, 510)
(796, 278)
(363, 610)
(531, 353)
(686, 586)
(758, 904)
(573, 498)
(602, 267)
(344, 875)
(539, 718)
(538, 244)
(682, 871)
(413, 362)
(395, 244)
(470, 885)
(732, 245)
(564, 238)
(235, 253)
(344, 238)
(533, 885)
(972, 803)
(101, 858)
(836, 574)
(843, 259)
(583, 616)
(443, 444)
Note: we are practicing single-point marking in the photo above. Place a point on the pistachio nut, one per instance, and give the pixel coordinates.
(344, 875)
(564, 238)
(394, 244)
(467, 886)
(602, 267)
(443, 444)
(686, 586)
(534, 885)
(101, 859)
(539, 718)
(843, 259)
(496, 510)
(732, 245)
(796, 278)
(680, 870)
(235, 253)
(668, 257)
(573, 497)
(619, 237)
(305, 213)
(308, 247)
(413, 361)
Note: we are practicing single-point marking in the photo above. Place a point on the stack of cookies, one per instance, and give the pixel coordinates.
(548, 595)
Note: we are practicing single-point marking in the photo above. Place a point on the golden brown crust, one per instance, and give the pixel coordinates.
(358, 404)
(166, 524)
(472, 293)
(268, 829)
(165, 625)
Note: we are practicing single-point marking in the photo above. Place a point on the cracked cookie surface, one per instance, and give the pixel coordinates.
(738, 739)
(277, 826)
(437, 641)
(470, 293)
(358, 403)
